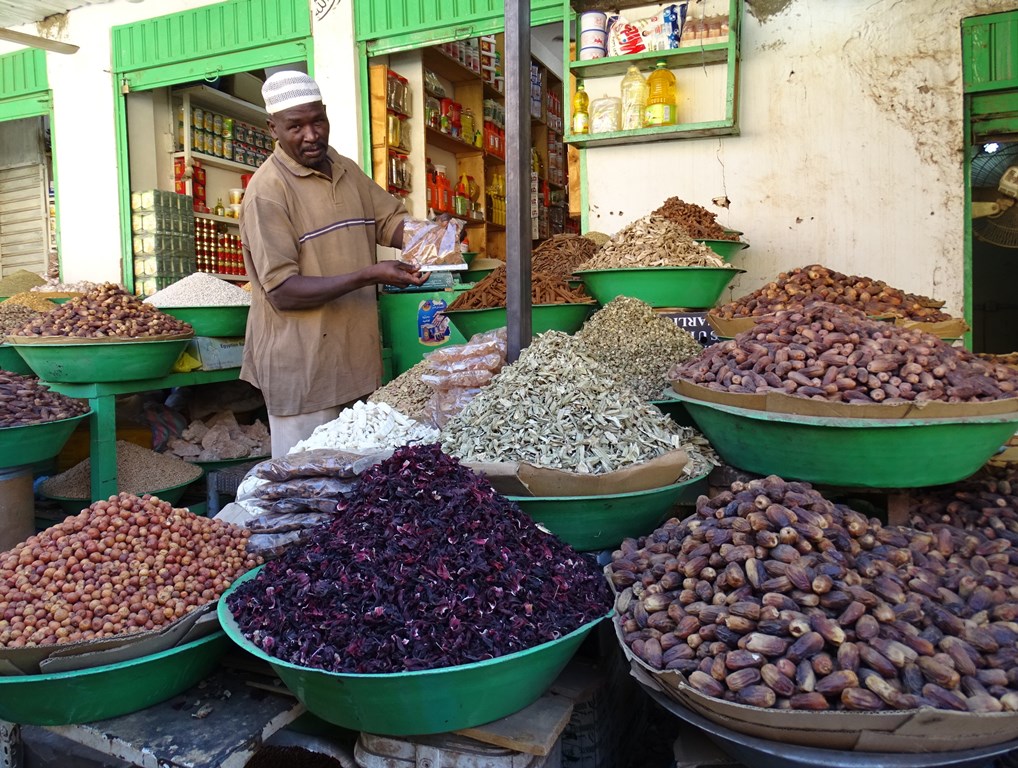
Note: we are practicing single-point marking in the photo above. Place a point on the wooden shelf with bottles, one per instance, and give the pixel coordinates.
(699, 47)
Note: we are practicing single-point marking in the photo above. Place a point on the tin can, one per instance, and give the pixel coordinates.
(197, 142)
(198, 118)
(217, 125)
(227, 148)
(240, 132)
(209, 122)
(210, 142)
(227, 127)
(217, 146)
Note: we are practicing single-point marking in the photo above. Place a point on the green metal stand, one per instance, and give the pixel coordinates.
(103, 421)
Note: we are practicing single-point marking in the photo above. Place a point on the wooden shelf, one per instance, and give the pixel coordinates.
(225, 104)
(219, 162)
(657, 133)
(492, 159)
(227, 220)
(447, 67)
(490, 92)
(449, 143)
(690, 56)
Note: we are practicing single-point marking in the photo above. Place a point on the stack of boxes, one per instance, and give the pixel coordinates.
(536, 92)
(197, 182)
(494, 128)
(162, 227)
(491, 63)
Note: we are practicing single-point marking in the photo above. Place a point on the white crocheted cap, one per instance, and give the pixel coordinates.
(284, 90)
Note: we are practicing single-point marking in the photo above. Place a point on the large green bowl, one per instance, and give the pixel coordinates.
(725, 248)
(687, 287)
(32, 443)
(11, 361)
(73, 506)
(212, 321)
(591, 523)
(853, 453)
(475, 275)
(544, 317)
(84, 695)
(102, 361)
(417, 703)
(676, 410)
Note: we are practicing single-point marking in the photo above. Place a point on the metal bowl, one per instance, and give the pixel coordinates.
(84, 695)
(544, 317)
(11, 361)
(32, 443)
(726, 249)
(88, 362)
(213, 321)
(73, 506)
(417, 703)
(687, 287)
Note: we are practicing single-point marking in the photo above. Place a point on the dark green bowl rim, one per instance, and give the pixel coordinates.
(636, 270)
(607, 496)
(79, 417)
(706, 240)
(150, 493)
(229, 625)
(118, 665)
(590, 303)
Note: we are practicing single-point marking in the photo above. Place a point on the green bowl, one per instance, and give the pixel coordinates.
(853, 453)
(424, 702)
(591, 523)
(687, 287)
(71, 506)
(84, 695)
(102, 361)
(469, 256)
(11, 361)
(676, 410)
(227, 322)
(475, 275)
(544, 317)
(726, 249)
(20, 446)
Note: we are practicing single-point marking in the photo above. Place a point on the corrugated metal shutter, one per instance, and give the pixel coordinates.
(23, 221)
(990, 52)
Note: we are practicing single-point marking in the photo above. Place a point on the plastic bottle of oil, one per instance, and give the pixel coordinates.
(634, 99)
(581, 111)
(661, 96)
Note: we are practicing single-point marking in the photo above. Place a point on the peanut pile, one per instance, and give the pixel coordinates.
(697, 221)
(106, 311)
(123, 565)
(25, 400)
(772, 596)
(798, 287)
(836, 353)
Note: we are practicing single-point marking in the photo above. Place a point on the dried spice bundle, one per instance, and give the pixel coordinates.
(545, 288)
(798, 287)
(773, 596)
(836, 353)
(652, 241)
(562, 254)
(697, 221)
(426, 567)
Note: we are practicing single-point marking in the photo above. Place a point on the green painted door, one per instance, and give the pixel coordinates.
(201, 43)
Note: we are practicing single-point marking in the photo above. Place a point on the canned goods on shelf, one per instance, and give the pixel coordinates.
(217, 125)
(209, 122)
(227, 149)
(198, 118)
(217, 146)
(227, 127)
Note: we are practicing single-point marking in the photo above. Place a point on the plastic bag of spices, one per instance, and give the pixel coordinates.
(306, 487)
(431, 244)
(318, 462)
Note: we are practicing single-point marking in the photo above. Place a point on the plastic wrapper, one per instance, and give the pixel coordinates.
(281, 523)
(459, 357)
(430, 244)
(447, 403)
(459, 371)
(465, 378)
(270, 545)
(319, 462)
(293, 506)
(659, 32)
(306, 487)
(606, 114)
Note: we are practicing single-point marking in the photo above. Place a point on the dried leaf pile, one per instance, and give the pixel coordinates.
(652, 241)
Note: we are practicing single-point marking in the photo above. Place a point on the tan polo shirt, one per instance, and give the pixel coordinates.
(294, 221)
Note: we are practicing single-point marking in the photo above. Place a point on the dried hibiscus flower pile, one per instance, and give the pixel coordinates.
(426, 567)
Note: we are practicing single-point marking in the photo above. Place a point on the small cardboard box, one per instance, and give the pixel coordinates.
(215, 354)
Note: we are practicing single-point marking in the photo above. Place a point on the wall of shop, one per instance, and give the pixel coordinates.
(851, 151)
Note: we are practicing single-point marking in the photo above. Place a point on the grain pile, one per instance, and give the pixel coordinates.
(34, 301)
(837, 354)
(798, 287)
(407, 393)
(562, 254)
(636, 344)
(139, 471)
(695, 220)
(121, 566)
(107, 311)
(545, 288)
(19, 281)
(772, 596)
(200, 290)
(652, 241)
(25, 400)
(557, 407)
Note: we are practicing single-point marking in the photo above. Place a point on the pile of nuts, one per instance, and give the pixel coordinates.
(545, 288)
(636, 344)
(107, 311)
(25, 400)
(798, 287)
(697, 221)
(123, 565)
(13, 316)
(772, 596)
(835, 353)
(652, 241)
(407, 393)
(986, 503)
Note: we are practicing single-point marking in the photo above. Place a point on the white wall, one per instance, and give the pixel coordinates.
(850, 152)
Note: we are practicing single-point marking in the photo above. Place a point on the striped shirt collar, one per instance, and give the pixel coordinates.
(297, 169)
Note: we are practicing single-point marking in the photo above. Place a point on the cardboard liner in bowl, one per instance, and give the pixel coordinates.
(912, 730)
(72, 340)
(730, 327)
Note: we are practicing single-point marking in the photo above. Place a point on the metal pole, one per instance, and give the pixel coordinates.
(517, 170)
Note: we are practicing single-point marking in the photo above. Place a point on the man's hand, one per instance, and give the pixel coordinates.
(399, 273)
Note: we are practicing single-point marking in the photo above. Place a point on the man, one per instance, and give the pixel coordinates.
(309, 223)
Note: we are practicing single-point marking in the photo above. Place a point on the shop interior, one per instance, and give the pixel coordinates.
(27, 209)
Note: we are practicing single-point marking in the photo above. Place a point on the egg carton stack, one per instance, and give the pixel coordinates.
(162, 228)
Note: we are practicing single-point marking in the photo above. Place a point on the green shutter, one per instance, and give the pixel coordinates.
(399, 24)
(990, 52)
(24, 85)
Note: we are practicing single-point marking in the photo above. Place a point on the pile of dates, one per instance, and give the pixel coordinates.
(772, 596)
(831, 353)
